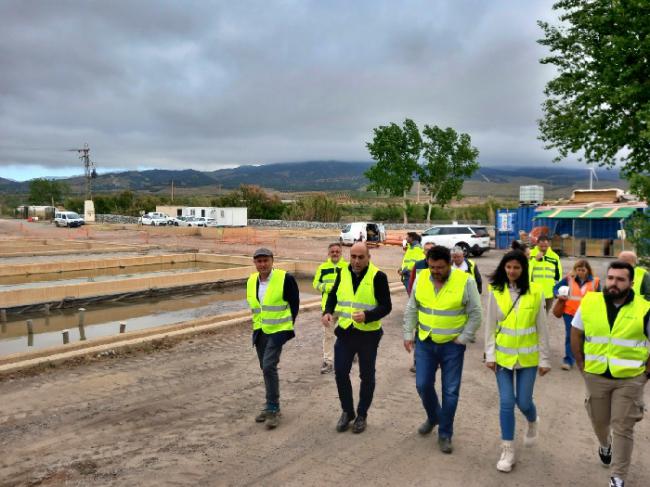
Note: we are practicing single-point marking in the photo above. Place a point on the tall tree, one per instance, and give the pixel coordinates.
(396, 151)
(449, 159)
(47, 192)
(599, 102)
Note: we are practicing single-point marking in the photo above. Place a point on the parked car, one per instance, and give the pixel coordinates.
(154, 218)
(67, 219)
(473, 239)
(177, 221)
(201, 221)
(362, 231)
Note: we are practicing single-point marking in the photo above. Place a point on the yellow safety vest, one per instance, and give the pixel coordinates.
(543, 272)
(348, 301)
(441, 316)
(516, 335)
(411, 256)
(325, 277)
(624, 347)
(274, 314)
(639, 273)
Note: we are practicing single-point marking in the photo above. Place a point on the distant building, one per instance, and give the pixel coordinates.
(33, 211)
(226, 217)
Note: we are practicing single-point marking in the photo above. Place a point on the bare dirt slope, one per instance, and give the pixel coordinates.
(184, 416)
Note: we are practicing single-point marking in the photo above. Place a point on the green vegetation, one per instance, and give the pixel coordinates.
(418, 213)
(441, 159)
(319, 207)
(47, 192)
(259, 203)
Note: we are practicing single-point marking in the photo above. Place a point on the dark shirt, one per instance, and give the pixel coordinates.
(612, 313)
(382, 295)
(291, 295)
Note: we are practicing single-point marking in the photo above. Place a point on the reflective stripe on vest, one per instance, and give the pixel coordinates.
(411, 256)
(322, 280)
(441, 316)
(516, 336)
(274, 314)
(623, 348)
(577, 292)
(348, 301)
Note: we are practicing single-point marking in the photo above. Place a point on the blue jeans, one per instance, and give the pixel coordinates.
(449, 357)
(406, 276)
(568, 354)
(268, 353)
(523, 398)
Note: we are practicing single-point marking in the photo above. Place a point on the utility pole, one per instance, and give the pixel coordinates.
(172, 190)
(89, 169)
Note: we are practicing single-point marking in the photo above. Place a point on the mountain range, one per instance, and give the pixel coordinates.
(502, 181)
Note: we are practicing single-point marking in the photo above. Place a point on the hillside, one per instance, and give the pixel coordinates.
(501, 182)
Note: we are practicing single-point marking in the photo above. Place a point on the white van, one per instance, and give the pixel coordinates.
(362, 232)
(67, 219)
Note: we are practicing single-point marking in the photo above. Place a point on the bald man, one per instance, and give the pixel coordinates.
(361, 298)
(641, 283)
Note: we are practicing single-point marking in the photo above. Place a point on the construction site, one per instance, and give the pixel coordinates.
(126, 359)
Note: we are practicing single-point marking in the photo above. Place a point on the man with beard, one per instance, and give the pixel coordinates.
(609, 339)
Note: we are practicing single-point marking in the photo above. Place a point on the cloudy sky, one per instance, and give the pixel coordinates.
(209, 84)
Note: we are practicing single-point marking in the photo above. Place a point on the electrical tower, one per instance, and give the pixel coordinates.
(89, 169)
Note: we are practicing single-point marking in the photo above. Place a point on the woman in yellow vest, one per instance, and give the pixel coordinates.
(579, 282)
(516, 347)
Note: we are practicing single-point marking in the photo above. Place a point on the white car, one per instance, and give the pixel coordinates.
(155, 219)
(67, 219)
(201, 221)
(362, 232)
(473, 239)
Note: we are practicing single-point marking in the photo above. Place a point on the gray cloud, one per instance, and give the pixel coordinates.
(204, 84)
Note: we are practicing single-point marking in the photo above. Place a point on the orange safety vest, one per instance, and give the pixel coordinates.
(576, 293)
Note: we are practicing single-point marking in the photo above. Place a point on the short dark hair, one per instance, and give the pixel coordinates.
(543, 238)
(415, 236)
(619, 264)
(439, 252)
(519, 245)
(334, 244)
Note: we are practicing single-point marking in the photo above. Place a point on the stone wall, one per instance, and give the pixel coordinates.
(116, 219)
(338, 226)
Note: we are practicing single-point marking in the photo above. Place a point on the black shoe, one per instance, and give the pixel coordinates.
(605, 455)
(426, 427)
(412, 369)
(445, 445)
(344, 422)
(359, 425)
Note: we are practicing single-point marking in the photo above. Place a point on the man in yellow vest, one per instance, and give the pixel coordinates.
(412, 254)
(609, 339)
(641, 283)
(545, 268)
(361, 298)
(274, 300)
(323, 282)
(446, 309)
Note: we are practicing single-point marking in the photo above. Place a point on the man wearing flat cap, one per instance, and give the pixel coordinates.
(273, 298)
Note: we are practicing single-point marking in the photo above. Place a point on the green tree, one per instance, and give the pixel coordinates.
(47, 192)
(449, 159)
(599, 102)
(396, 151)
(259, 203)
(317, 207)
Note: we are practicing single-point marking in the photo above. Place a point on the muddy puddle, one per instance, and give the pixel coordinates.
(101, 320)
(32, 281)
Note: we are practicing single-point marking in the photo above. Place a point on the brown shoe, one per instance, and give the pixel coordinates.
(272, 419)
(260, 418)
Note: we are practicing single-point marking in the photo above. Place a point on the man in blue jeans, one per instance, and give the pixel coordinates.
(446, 309)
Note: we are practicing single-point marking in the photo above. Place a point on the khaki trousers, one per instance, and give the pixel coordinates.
(328, 343)
(614, 407)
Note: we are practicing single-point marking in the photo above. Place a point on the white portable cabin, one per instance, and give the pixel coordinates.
(226, 217)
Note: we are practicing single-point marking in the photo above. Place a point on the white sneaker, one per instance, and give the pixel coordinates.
(507, 460)
(616, 482)
(531, 433)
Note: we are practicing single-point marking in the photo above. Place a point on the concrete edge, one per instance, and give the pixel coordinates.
(56, 355)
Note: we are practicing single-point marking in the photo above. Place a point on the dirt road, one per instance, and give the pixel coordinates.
(183, 415)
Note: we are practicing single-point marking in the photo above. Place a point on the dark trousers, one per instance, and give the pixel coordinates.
(268, 353)
(349, 343)
(449, 357)
(569, 359)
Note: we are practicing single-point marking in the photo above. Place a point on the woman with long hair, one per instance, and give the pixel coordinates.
(516, 348)
(580, 281)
